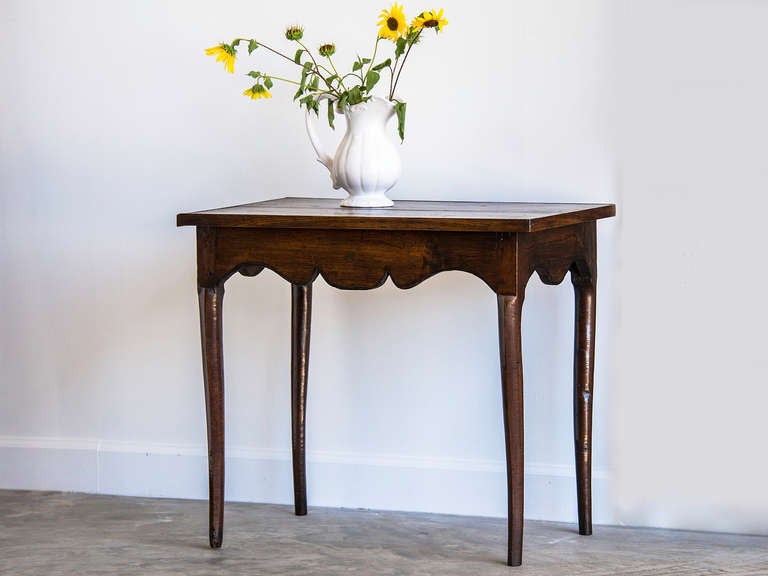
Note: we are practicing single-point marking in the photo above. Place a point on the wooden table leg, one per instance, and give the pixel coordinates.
(301, 319)
(510, 347)
(583, 379)
(213, 371)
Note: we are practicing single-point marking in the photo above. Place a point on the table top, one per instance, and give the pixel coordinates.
(325, 213)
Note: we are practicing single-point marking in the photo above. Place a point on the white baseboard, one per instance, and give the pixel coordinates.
(349, 480)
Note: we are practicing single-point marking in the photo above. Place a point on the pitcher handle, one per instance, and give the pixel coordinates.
(324, 158)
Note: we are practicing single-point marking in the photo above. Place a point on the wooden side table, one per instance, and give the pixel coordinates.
(358, 249)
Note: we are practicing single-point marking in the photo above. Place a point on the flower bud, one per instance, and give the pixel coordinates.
(327, 49)
(294, 33)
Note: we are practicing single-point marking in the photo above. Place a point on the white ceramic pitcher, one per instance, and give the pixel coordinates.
(367, 162)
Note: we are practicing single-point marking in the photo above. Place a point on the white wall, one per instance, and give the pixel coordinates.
(689, 420)
(112, 120)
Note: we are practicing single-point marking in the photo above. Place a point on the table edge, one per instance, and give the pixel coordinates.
(350, 222)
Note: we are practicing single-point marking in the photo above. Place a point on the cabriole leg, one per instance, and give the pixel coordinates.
(213, 372)
(510, 347)
(583, 380)
(301, 318)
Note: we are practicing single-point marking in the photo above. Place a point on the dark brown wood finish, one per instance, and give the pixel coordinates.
(301, 319)
(511, 354)
(584, 279)
(211, 299)
(362, 259)
(325, 213)
(358, 249)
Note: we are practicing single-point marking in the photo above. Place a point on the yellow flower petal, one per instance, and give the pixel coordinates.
(223, 54)
(256, 92)
(392, 23)
(430, 19)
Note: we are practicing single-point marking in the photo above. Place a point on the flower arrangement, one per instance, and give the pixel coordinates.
(319, 76)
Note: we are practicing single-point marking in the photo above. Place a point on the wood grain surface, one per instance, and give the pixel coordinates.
(404, 215)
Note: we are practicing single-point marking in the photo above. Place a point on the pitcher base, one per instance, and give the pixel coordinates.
(367, 201)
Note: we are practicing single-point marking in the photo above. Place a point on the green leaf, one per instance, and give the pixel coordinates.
(309, 102)
(379, 66)
(342, 101)
(355, 95)
(297, 58)
(254, 74)
(400, 111)
(400, 47)
(357, 65)
(331, 79)
(235, 43)
(299, 92)
(330, 114)
(268, 82)
(308, 65)
(303, 83)
(315, 83)
(370, 80)
(252, 45)
(366, 60)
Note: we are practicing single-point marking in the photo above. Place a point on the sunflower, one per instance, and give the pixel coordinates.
(257, 91)
(224, 53)
(430, 19)
(392, 23)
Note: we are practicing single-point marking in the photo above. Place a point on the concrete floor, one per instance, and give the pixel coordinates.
(50, 533)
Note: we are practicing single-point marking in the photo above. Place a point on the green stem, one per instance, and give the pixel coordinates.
(317, 66)
(392, 77)
(267, 47)
(316, 70)
(373, 58)
(341, 80)
(282, 79)
(397, 79)
(355, 74)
